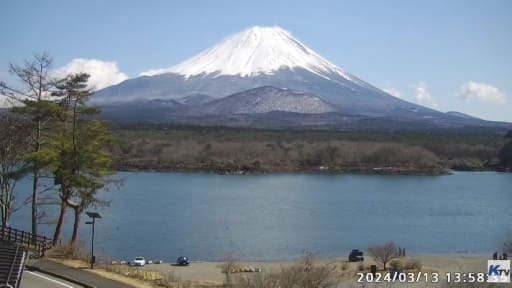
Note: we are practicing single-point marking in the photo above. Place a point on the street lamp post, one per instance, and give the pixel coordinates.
(93, 215)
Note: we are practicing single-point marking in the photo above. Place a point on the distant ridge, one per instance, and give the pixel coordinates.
(264, 100)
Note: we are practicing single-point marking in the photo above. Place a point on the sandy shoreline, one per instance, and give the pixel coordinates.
(211, 273)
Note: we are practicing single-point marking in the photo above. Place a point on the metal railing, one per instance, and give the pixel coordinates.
(38, 244)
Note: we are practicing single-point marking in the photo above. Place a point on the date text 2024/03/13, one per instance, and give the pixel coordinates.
(422, 277)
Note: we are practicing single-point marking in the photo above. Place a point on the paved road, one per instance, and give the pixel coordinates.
(36, 280)
(81, 275)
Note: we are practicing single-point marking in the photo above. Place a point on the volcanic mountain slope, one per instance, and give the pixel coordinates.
(265, 70)
(264, 100)
(196, 99)
(256, 57)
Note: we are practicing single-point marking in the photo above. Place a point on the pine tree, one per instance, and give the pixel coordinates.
(505, 154)
(79, 161)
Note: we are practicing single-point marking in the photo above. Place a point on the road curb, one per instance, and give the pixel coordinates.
(69, 279)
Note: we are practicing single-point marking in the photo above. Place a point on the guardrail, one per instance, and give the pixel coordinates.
(38, 244)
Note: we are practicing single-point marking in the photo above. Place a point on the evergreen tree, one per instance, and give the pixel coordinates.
(506, 152)
(79, 160)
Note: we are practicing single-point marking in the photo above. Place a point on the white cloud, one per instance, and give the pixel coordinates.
(421, 94)
(103, 73)
(153, 72)
(481, 92)
(393, 92)
(5, 101)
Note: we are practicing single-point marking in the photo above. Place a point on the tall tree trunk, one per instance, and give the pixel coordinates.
(35, 184)
(6, 214)
(5, 220)
(74, 237)
(60, 221)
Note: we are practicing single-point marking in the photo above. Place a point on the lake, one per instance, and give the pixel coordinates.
(271, 217)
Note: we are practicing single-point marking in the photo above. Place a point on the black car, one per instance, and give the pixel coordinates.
(182, 261)
(355, 256)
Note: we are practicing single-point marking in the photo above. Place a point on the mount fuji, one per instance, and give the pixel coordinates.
(261, 70)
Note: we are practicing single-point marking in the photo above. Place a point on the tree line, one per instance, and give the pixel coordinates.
(51, 132)
(161, 146)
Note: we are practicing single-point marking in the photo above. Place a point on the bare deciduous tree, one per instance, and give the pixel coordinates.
(13, 145)
(36, 106)
(383, 253)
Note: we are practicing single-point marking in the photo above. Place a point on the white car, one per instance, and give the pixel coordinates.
(139, 261)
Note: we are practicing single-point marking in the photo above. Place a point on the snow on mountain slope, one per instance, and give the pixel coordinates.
(237, 77)
(257, 57)
(266, 99)
(255, 51)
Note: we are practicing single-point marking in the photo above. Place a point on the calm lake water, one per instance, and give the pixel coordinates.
(269, 217)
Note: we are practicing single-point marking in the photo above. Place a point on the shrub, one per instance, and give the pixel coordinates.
(396, 264)
(169, 279)
(76, 251)
(413, 264)
(344, 266)
(360, 267)
(306, 274)
(383, 253)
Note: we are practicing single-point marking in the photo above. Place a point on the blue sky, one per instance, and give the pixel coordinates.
(450, 55)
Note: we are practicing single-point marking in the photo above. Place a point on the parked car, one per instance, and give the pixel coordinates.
(355, 256)
(139, 261)
(182, 261)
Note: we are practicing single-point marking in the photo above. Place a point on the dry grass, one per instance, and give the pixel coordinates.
(305, 274)
(76, 251)
(413, 264)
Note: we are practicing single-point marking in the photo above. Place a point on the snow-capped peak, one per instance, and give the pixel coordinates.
(257, 50)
